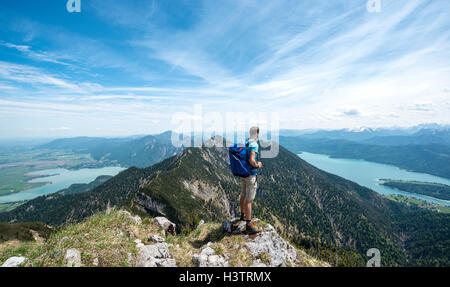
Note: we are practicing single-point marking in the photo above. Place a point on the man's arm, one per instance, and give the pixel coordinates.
(253, 162)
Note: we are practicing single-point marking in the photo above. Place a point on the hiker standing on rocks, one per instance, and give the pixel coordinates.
(249, 184)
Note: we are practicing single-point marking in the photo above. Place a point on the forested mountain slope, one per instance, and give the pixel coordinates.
(313, 208)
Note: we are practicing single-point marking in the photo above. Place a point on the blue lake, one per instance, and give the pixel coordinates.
(367, 174)
(60, 178)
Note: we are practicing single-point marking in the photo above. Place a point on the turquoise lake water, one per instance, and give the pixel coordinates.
(367, 174)
(60, 178)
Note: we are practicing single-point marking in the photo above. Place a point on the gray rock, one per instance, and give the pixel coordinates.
(156, 255)
(217, 261)
(137, 219)
(207, 251)
(139, 243)
(95, 262)
(73, 258)
(207, 258)
(280, 252)
(165, 224)
(14, 261)
(269, 228)
(258, 263)
(129, 259)
(144, 203)
(156, 238)
(169, 262)
(200, 223)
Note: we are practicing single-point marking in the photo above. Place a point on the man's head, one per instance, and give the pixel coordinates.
(254, 132)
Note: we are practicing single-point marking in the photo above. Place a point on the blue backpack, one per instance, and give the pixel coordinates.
(239, 160)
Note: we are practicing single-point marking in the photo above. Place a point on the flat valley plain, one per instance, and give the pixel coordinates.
(16, 166)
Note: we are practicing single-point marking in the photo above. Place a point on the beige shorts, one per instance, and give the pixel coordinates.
(248, 187)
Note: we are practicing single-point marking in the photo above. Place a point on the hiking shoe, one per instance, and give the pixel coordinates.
(252, 228)
(242, 217)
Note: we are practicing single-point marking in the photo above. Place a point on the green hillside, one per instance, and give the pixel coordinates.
(140, 152)
(108, 239)
(316, 210)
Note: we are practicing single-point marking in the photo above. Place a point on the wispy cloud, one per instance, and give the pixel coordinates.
(318, 64)
(27, 51)
(34, 76)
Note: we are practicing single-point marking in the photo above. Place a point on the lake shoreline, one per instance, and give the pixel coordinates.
(59, 179)
(379, 162)
(368, 174)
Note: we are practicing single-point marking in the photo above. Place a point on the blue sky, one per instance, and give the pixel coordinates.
(126, 67)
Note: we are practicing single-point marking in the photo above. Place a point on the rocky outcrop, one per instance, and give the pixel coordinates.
(267, 244)
(156, 238)
(155, 255)
(15, 261)
(166, 225)
(204, 247)
(208, 258)
(145, 203)
(280, 253)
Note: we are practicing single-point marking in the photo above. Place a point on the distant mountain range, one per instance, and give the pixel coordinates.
(440, 134)
(423, 148)
(140, 152)
(315, 209)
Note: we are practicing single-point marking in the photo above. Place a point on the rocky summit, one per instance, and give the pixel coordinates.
(277, 251)
(119, 238)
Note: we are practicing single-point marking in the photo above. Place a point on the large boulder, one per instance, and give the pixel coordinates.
(165, 224)
(14, 261)
(156, 255)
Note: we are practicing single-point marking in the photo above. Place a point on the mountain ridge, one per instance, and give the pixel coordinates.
(115, 237)
(311, 207)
